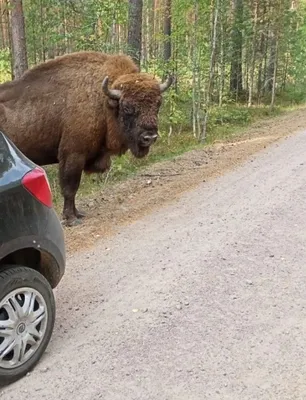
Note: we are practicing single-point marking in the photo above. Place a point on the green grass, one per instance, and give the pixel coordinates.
(223, 124)
(125, 166)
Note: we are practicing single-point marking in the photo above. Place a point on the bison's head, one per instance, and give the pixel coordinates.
(136, 99)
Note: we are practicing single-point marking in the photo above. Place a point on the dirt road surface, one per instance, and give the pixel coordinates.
(163, 182)
(201, 299)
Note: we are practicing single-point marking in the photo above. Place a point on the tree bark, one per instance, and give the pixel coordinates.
(236, 86)
(273, 89)
(254, 48)
(20, 62)
(135, 30)
(167, 31)
(222, 62)
(272, 61)
(5, 24)
(195, 73)
(211, 70)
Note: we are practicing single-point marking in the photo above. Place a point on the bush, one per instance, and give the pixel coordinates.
(5, 65)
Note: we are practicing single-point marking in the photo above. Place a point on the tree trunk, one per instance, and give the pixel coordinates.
(20, 64)
(236, 86)
(272, 61)
(135, 30)
(145, 38)
(253, 60)
(222, 62)
(260, 67)
(6, 24)
(273, 89)
(167, 31)
(150, 29)
(155, 28)
(43, 45)
(211, 70)
(2, 26)
(195, 74)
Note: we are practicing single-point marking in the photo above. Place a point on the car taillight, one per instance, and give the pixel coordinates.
(36, 182)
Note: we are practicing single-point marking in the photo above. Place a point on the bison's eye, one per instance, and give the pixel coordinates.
(128, 109)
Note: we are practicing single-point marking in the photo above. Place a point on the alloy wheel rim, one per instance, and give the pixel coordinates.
(23, 325)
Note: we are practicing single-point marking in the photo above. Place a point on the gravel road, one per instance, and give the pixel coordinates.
(203, 299)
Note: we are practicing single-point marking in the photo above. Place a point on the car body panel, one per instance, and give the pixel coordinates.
(24, 221)
(13, 164)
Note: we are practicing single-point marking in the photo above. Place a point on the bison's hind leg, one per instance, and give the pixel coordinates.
(70, 172)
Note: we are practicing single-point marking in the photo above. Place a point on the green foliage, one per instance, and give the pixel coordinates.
(203, 68)
(202, 99)
(292, 95)
(5, 65)
(127, 165)
(229, 115)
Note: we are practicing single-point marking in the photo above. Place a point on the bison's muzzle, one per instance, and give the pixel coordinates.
(143, 144)
(146, 139)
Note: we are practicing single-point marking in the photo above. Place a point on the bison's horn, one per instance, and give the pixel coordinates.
(111, 93)
(165, 85)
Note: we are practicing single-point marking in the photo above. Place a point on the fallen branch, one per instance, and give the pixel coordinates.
(107, 175)
(159, 175)
(175, 174)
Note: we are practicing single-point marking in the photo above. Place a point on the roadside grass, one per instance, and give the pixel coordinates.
(224, 124)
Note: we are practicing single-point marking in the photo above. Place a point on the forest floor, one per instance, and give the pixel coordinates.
(151, 187)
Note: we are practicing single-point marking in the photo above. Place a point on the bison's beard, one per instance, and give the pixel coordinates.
(134, 141)
(140, 151)
(137, 149)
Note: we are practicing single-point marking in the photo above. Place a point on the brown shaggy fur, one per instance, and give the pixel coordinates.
(58, 113)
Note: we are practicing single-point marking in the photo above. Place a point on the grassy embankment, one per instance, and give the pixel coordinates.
(224, 123)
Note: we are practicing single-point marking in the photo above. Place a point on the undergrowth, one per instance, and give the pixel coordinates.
(223, 124)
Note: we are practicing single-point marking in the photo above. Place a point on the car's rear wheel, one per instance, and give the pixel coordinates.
(27, 315)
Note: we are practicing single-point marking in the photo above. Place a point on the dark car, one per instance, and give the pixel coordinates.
(32, 262)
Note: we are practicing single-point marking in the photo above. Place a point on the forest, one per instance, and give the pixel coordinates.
(234, 60)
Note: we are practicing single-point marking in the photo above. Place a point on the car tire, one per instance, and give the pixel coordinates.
(33, 292)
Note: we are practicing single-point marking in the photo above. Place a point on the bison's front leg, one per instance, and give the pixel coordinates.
(70, 172)
(98, 165)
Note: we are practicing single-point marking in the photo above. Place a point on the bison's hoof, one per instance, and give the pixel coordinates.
(80, 214)
(71, 222)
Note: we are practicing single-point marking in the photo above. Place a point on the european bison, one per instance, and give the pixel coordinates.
(78, 110)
